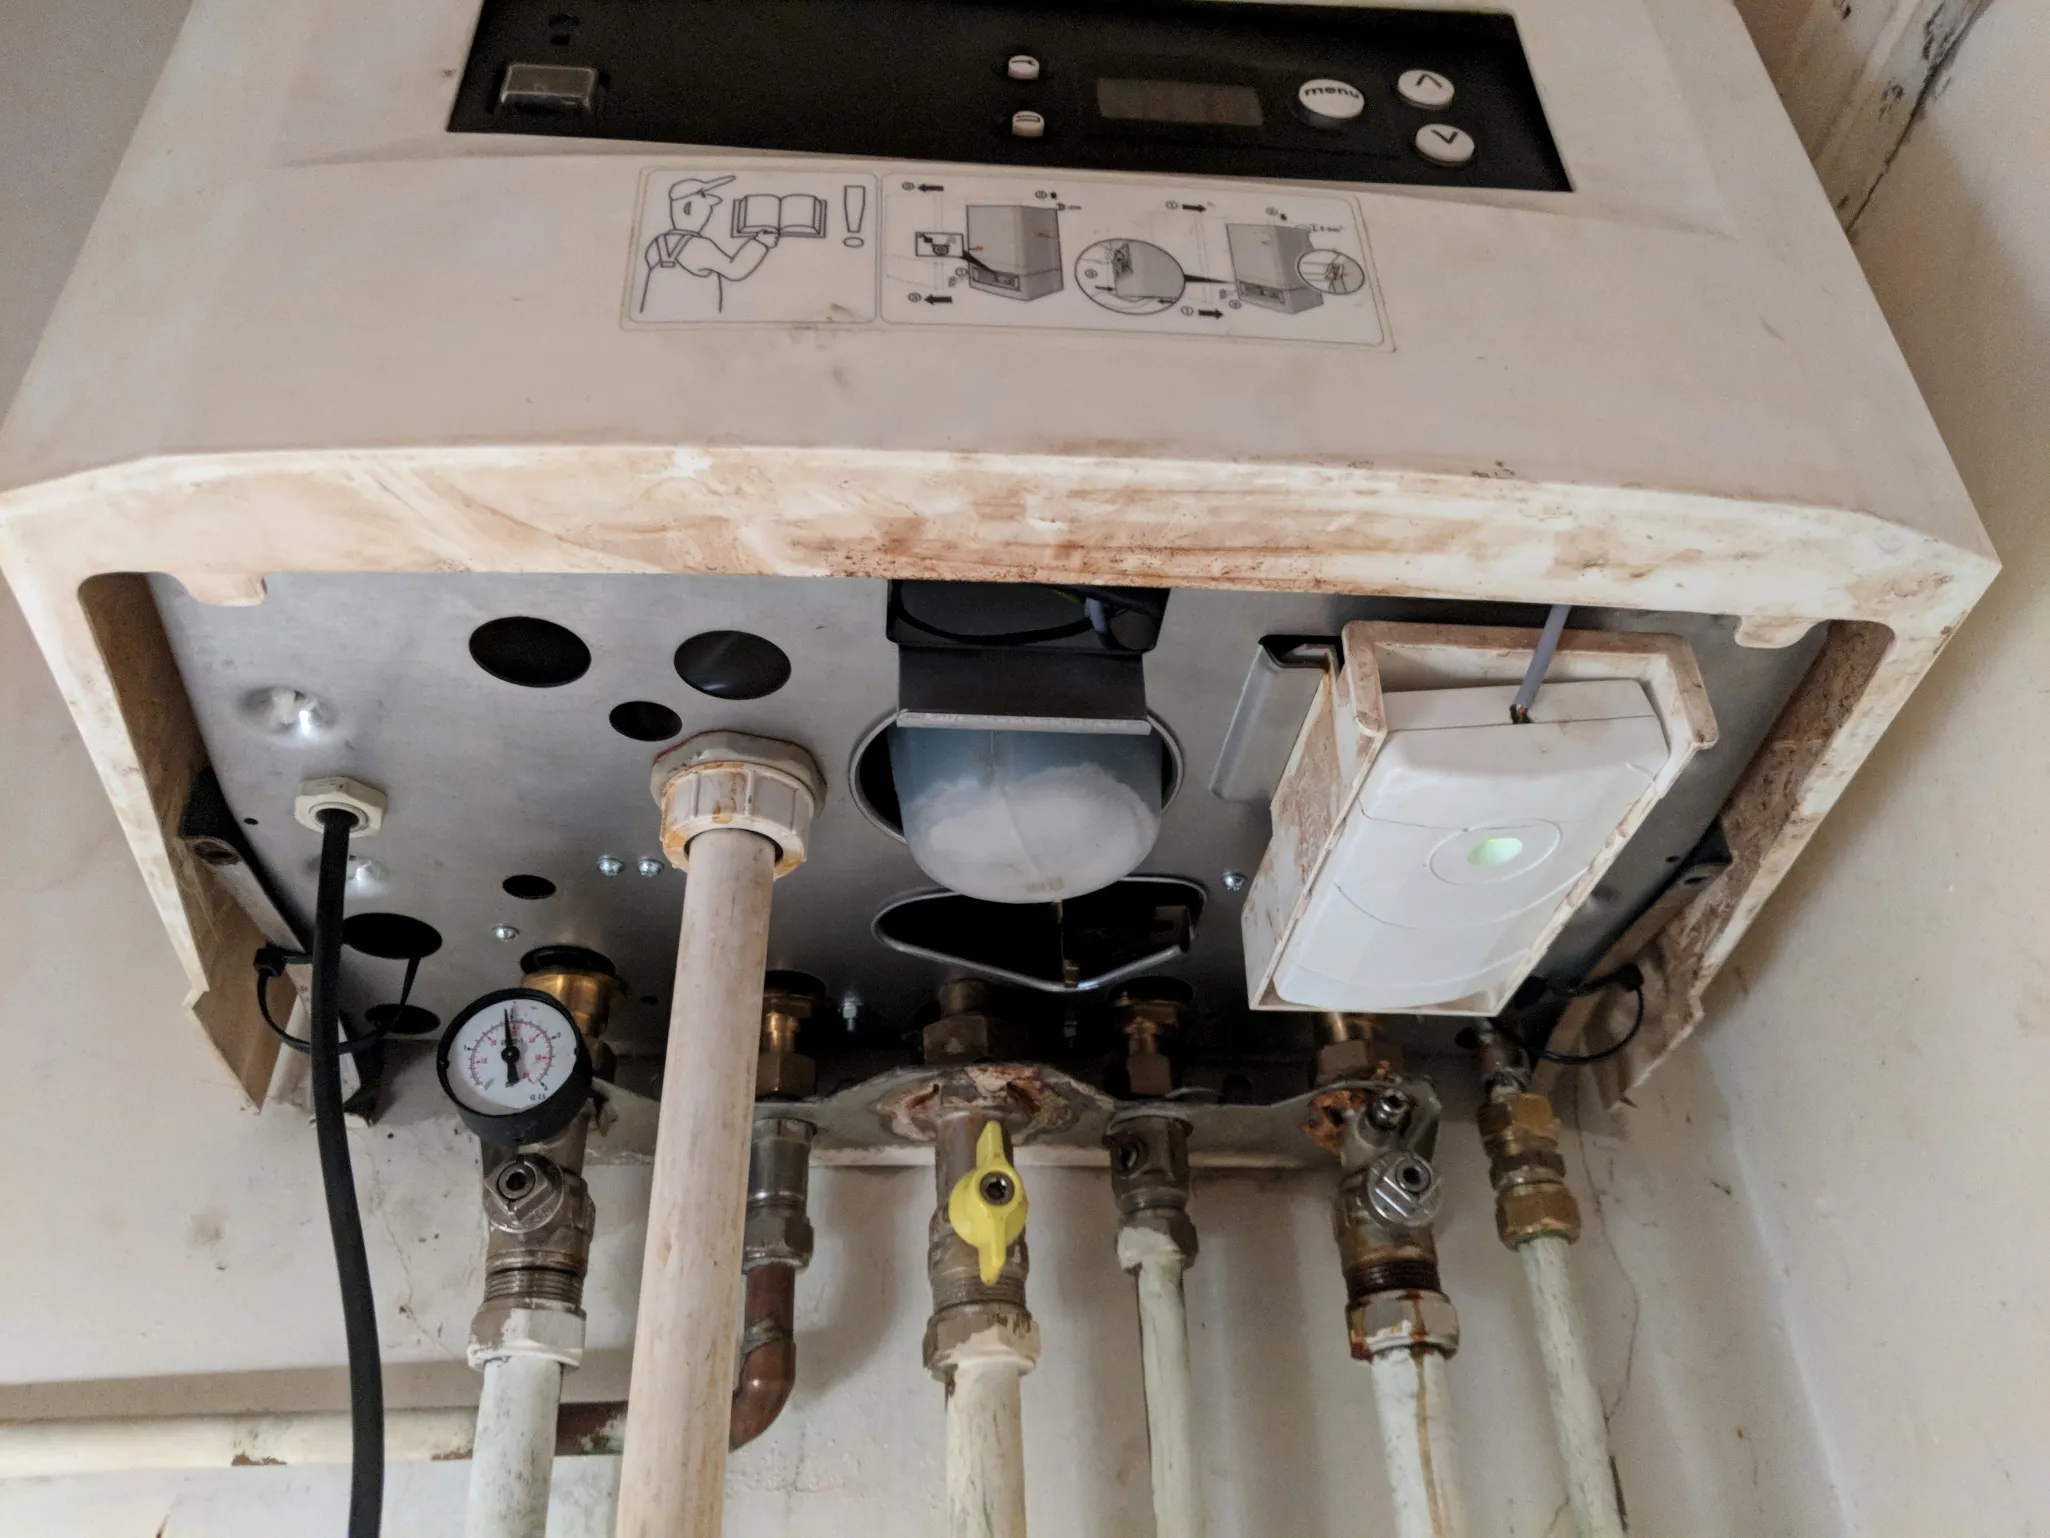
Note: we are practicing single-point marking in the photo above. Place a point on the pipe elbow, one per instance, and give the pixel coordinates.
(768, 1362)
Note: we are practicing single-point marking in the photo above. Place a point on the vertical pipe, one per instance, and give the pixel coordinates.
(1164, 1353)
(673, 1476)
(985, 1448)
(514, 1455)
(1577, 1417)
(1415, 1411)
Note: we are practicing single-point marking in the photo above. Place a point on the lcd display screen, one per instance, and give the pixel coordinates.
(1179, 101)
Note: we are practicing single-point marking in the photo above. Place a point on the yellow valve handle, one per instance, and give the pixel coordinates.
(987, 1205)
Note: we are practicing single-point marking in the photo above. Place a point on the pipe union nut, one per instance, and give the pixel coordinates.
(506, 1328)
(993, 1331)
(785, 1076)
(1526, 1212)
(733, 780)
(1402, 1321)
(776, 1236)
(1506, 1121)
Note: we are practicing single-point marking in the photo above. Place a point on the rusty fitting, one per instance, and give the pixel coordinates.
(1521, 1135)
(777, 1245)
(781, 1071)
(585, 984)
(537, 1250)
(965, 1309)
(1347, 1049)
(1151, 1012)
(969, 1030)
(1149, 1176)
(1388, 1196)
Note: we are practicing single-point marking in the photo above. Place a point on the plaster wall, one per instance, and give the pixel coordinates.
(1884, 1035)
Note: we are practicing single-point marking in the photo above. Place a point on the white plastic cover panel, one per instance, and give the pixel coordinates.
(1465, 837)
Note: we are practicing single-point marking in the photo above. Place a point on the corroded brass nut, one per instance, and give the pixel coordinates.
(971, 1037)
(784, 1076)
(1525, 1212)
(1402, 1321)
(1347, 1060)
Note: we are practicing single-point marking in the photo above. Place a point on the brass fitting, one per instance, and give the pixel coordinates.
(968, 1029)
(1347, 1050)
(583, 983)
(781, 1071)
(1151, 1011)
(1521, 1135)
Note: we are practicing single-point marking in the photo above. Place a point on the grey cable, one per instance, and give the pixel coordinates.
(1540, 663)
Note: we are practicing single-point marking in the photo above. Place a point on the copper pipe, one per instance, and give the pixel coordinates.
(768, 1364)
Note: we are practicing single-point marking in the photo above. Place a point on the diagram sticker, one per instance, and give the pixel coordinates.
(729, 243)
(1127, 256)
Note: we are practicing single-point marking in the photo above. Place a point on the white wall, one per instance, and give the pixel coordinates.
(1884, 1038)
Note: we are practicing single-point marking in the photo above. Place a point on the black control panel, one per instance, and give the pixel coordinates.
(1284, 92)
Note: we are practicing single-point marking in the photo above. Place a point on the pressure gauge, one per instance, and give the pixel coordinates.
(516, 1066)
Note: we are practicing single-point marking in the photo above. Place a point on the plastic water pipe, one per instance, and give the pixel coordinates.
(735, 814)
(1414, 1406)
(1577, 1419)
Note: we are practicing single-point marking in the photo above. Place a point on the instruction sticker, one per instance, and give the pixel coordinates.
(1127, 256)
(726, 243)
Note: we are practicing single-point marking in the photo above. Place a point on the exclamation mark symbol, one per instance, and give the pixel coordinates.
(854, 202)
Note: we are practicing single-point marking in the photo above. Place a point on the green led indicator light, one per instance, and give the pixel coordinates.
(1494, 851)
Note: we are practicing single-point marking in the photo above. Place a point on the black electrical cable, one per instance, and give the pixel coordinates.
(271, 962)
(1627, 976)
(338, 1179)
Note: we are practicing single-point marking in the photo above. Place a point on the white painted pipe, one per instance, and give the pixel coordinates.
(514, 1458)
(673, 1477)
(1415, 1411)
(1170, 1399)
(117, 1444)
(1577, 1419)
(986, 1448)
(31, 1449)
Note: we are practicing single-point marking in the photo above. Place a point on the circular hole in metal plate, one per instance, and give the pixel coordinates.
(645, 721)
(390, 936)
(533, 653)
(732, 665)
(567, 958)
(874, 783)
(527, 888)
(402, 1019)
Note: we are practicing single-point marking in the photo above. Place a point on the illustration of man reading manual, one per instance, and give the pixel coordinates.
(688, 269)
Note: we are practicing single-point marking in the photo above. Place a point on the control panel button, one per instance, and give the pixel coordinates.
(1022, 66)
(1030, 125)
(1424, 88)
(1444, 145)
(1330, 103)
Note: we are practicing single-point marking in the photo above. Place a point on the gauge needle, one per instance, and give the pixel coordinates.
(511, 1051)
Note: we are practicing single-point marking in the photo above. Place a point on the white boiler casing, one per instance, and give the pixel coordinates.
(315, 331)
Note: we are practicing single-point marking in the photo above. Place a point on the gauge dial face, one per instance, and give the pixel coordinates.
(510, 1054)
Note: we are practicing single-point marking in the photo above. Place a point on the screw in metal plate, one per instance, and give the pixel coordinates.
(1234, 881)
(648, 865)
(850, 1013)
(503, 932)
(610, 865)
